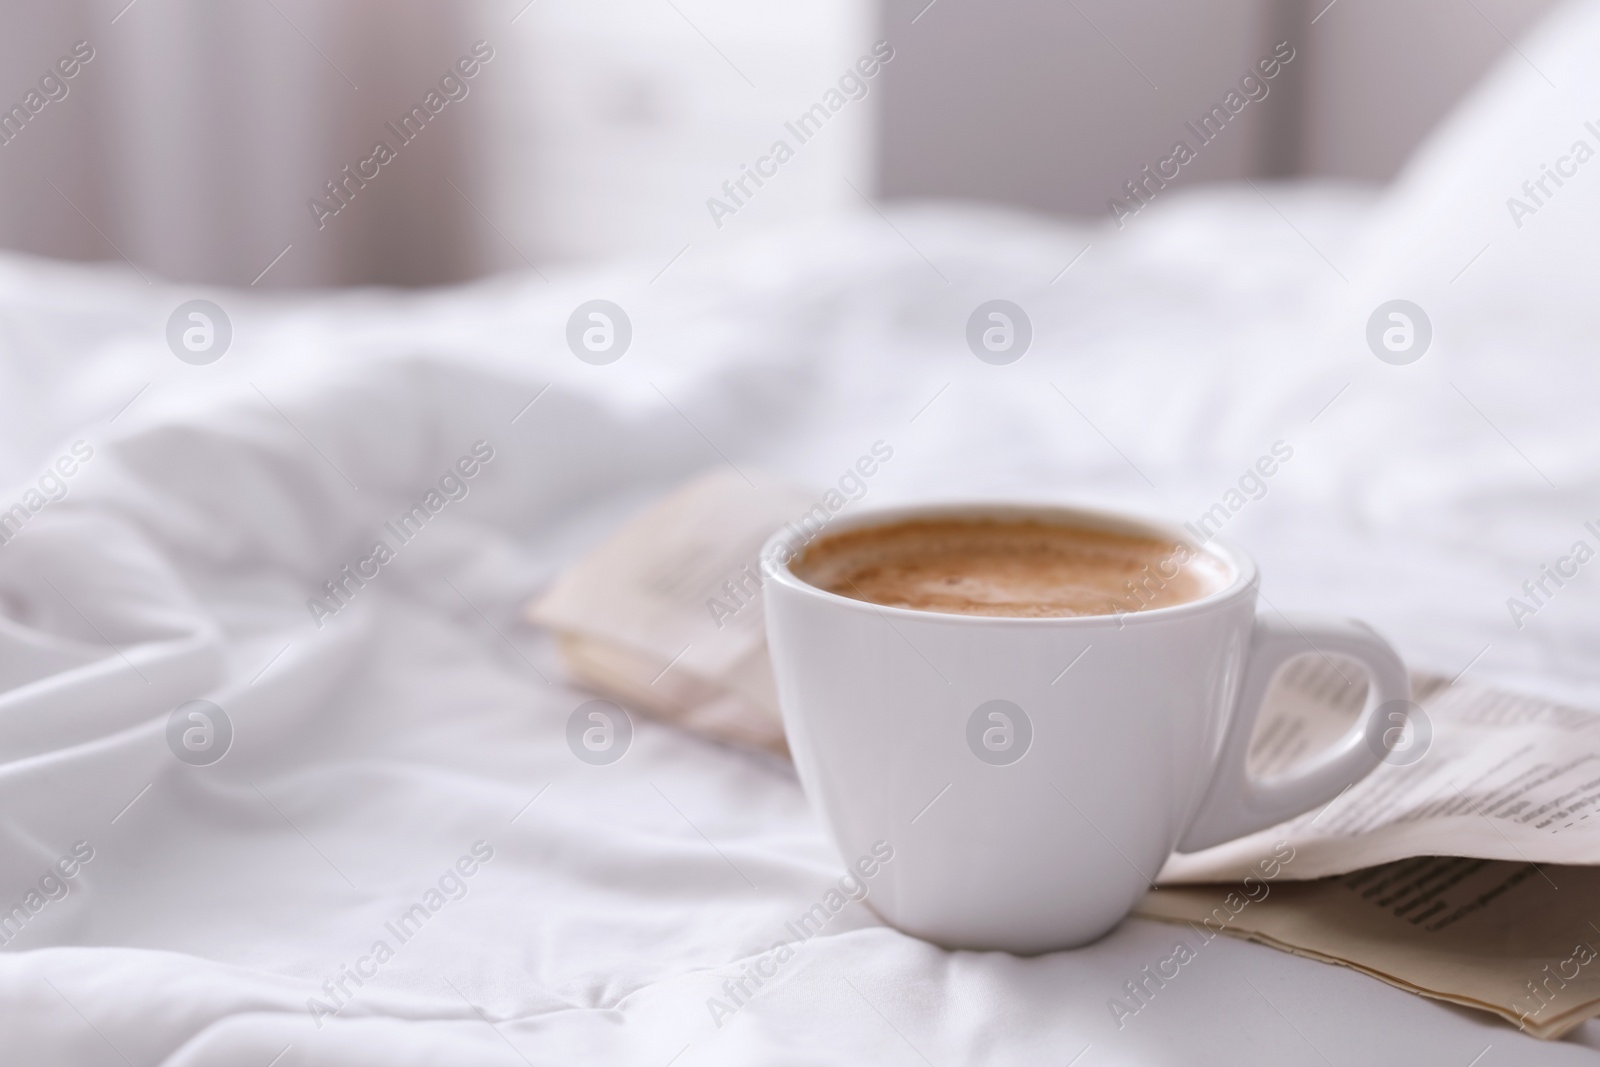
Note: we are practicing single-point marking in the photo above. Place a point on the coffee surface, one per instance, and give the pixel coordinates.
(1010, 568)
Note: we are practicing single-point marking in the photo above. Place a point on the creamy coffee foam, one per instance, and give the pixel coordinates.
(1009, 568)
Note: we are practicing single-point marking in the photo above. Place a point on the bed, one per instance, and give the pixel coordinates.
(397, 772)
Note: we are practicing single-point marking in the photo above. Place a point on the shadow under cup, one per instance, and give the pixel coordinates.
(1028, 777)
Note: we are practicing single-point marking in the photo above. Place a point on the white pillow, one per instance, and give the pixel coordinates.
(1476, 229)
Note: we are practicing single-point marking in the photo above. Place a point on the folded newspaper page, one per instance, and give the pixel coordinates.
(666, 614)
(1510, 938)
(1476, 772)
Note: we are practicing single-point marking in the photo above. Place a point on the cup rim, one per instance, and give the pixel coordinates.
(1245, 572)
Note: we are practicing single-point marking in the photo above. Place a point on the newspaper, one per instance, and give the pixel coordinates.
(1515, 939)
(665, 615)
(1487, 774)
(1428, 873)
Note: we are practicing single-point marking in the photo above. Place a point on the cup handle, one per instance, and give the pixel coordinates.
(1237, 803)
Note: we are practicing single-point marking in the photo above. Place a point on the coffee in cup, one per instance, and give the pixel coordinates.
(1019, 568)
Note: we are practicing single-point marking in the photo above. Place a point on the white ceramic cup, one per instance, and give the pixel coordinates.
(1032, 775)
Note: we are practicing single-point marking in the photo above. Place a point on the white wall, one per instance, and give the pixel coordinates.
(632, 113)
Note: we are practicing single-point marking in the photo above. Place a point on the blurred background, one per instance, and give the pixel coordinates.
(195, 138)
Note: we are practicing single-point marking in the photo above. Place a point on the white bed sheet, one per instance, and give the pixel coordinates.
(373, 753)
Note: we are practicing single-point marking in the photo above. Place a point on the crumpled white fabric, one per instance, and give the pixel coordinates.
(421, 722)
